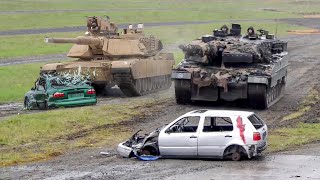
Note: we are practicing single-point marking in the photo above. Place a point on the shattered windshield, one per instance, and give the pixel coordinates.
(67, 80)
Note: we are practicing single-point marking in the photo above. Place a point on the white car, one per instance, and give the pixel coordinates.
(203, 134)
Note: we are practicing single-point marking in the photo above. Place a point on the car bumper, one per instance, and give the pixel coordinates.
(76, 102)
(255, 150)
(262, 147)
(123, 150)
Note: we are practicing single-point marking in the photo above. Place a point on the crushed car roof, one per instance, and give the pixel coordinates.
(210, 112)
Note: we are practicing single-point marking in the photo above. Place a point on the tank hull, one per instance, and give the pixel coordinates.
(134, 76)
(261, 91)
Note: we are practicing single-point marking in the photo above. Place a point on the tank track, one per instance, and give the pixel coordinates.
(182, 91)
(261, 97)
(138, 87)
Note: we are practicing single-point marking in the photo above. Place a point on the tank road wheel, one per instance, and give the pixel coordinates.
(258, 96)
(182, 91)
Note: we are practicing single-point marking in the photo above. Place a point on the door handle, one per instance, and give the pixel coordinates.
(193, 136)
(227, 136)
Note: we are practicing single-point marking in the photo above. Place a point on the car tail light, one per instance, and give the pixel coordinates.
(58, 95)
(256, 136)
(91, 91)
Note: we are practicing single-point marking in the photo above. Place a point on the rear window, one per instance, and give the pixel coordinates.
(256, 121)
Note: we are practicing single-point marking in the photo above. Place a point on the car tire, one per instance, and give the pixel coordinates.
(149, 150)
(43, 106)
(25, 103)
(236, 156)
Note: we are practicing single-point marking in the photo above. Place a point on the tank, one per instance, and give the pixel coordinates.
(129, 59)
(228, 66)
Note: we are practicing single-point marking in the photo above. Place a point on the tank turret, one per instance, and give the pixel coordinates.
(102, 40)
(129, 59)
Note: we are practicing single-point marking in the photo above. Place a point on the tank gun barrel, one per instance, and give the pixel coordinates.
(79, 40)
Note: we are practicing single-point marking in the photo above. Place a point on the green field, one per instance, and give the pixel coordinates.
(40, 136)
(126, 11)
(171, 36)
(16, 81)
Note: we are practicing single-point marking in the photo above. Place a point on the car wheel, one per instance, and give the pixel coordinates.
(26, 103)
(236, 156)
(149, 151)
(43, 106)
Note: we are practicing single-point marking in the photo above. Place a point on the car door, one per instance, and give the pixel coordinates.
(40, 90)
(216, 133)
(181, 138)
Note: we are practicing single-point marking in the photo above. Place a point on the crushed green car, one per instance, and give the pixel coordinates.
(52, 91)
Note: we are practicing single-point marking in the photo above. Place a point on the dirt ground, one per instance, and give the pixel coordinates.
(303, 74)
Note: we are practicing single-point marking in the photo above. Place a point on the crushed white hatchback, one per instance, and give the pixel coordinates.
(203, 134)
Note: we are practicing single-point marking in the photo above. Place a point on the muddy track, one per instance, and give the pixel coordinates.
(147, 24)
(303, 74)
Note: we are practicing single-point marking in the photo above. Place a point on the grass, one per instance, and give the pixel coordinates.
(168, 11)
(286, 138)
(17, 80)
(31, 137)
(305, 106)
(30, 45)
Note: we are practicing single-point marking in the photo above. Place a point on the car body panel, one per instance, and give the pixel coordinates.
(206, 142)
(41, 96)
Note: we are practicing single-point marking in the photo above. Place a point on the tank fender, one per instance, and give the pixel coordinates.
(120, 67)
(258, 80)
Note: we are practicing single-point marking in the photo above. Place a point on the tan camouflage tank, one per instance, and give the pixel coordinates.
(228, 66)
(128, 59)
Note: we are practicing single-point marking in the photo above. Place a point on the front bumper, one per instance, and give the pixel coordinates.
(76, 102)
(124, 151)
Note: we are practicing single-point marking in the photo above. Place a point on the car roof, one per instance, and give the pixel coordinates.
(210, 112)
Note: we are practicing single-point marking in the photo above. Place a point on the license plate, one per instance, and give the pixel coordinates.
(75, 95)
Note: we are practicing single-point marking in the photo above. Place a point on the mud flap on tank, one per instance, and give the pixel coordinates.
(207, 93)
(137, 87)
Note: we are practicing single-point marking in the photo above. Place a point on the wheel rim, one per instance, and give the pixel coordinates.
(145, 152)
(236, 156)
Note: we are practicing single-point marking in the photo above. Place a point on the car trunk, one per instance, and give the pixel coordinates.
(72, 93)
(260, 130)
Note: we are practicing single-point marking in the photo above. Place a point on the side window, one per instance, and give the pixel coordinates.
(217, 124)
(41, 84)
(186, 124)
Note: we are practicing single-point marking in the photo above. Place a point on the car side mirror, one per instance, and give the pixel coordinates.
(168, 131)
